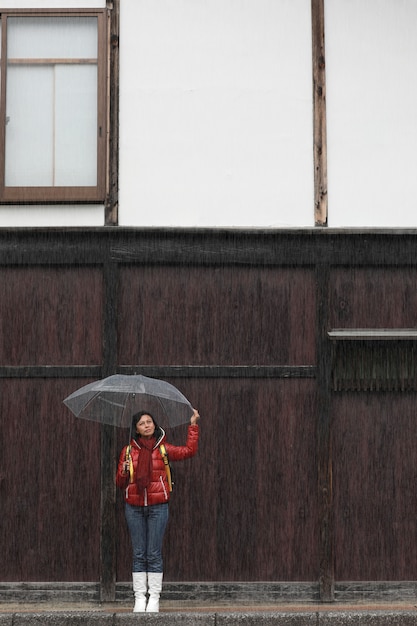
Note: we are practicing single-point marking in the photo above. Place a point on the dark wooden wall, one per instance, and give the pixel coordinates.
(293, 481)
(374, 437)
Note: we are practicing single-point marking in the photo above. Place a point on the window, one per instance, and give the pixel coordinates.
(53, 107)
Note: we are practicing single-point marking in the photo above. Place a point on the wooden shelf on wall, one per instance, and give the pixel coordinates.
(373, 334)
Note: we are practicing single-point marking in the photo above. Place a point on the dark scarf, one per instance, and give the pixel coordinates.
(144, 468)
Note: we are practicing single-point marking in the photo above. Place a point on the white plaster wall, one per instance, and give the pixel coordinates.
(34, 216)
(216, 113)
(371, 52)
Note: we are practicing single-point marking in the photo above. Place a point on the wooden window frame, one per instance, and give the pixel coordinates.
(64, 194)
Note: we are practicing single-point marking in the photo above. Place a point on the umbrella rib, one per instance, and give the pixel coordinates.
(106, 401)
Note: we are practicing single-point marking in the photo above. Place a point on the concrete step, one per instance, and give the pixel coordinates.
(308, 615)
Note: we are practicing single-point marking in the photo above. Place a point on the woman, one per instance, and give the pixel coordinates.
(143, 472)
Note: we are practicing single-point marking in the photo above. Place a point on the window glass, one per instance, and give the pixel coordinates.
(52, 37)
(29, 126)
(76, 140)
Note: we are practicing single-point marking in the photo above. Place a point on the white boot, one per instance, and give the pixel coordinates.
(139, 589)
(155, 588)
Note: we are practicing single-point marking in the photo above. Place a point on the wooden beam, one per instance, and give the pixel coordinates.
(324, 454)
(112, 198)
(319, 113)
(50, 371)
(220, 371)
(57, 61)
(208, 247)
(108, 528)
(373, 334)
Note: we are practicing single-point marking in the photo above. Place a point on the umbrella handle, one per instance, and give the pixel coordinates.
(167, 466)
(129, 459)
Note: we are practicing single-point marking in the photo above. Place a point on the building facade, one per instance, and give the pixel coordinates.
(220, 194)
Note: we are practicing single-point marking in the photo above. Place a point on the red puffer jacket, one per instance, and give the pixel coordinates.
(157, 491)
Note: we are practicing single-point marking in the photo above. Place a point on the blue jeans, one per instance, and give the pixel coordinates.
(147, 526)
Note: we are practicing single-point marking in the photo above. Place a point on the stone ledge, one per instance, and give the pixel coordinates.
(368, 618)
(255, 618)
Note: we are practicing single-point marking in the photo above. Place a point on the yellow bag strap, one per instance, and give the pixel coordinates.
(166, 463)
(129, 458)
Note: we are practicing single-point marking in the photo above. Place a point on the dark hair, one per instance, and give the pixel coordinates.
(135, 420)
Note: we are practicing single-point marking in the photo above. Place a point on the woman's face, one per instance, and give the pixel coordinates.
(145, 426)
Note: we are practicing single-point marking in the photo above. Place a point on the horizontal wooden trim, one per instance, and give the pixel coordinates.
(160, 371)
(386, 591)
(50, 371)
(40, 195)
(373, 334)
(226, 593)
(220, 371)
(49, 592)
(51, 12)
(52, 61)
(194, 593)
(299, 247)
(206, 247)
(203, 593)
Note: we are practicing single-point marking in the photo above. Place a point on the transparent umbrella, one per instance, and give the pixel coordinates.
(114, 400)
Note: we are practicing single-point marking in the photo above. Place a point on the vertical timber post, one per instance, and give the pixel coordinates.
(112, 195)
(108, 440)
(108, 435)
(324, 452)
(319, 113)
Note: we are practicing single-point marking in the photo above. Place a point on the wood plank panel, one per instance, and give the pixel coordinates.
(245, 508)
(375, 477)
(49, 483)
(50, 316)
(220, 315)
(373, 297)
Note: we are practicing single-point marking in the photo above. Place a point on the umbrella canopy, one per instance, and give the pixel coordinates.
(114, 400)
